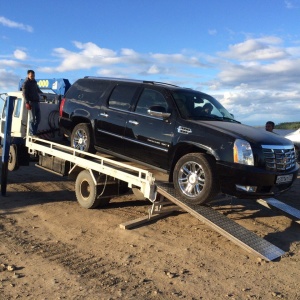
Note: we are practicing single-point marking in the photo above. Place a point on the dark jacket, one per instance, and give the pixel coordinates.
(31, 90)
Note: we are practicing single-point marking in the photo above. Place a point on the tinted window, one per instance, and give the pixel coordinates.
(87, 90)
(122, 96)
(150, 98)
(192, 104)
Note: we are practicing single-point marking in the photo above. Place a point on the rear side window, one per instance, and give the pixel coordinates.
(87, 90)
(122, 96)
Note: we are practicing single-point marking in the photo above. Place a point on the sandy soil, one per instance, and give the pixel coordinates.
(51, 248)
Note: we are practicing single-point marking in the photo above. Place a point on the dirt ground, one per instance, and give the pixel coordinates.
(51, 248)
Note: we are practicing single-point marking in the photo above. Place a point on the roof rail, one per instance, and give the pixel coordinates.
(114, 78)
(158, 82)
(131, 80)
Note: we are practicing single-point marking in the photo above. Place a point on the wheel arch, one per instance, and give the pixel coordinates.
(78, 119)
(186, 148)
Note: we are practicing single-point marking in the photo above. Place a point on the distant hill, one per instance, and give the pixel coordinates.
(288, 125)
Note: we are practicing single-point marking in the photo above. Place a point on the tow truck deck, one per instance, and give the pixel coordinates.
(95, 173)
(161, 194)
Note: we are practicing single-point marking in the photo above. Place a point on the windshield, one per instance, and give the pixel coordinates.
(197, 106)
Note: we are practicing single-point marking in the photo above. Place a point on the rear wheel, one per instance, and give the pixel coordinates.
(195, 178)
(81, 138)
(88, 194)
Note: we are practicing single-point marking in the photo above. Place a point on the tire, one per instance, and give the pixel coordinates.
(87, 192)
(13, 158)
(81, 138)
(195, 178)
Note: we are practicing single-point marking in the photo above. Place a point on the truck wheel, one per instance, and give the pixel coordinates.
(195, 178)
(13, 158)
(87, 192)
(81, 138)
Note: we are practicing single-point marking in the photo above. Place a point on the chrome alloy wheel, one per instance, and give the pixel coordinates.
(80, 140)
(191, 179)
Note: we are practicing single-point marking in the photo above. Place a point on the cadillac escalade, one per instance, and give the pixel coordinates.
(183, 132)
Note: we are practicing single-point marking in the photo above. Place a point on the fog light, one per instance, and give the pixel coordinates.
(246, 188)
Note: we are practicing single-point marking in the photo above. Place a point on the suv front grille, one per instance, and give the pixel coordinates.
(280, 158)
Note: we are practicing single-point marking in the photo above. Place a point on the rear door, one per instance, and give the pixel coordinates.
(112, 117)
(149, 138)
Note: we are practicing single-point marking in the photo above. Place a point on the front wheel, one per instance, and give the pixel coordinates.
(195, 178)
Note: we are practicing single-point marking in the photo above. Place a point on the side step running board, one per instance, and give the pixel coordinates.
(222, 224)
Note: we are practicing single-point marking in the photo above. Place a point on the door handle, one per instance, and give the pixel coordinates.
(133, 122)
(104, 115)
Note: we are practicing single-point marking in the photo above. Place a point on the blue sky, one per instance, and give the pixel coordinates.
(244, 53)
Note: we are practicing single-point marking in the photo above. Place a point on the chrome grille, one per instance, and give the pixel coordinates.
(279, 158)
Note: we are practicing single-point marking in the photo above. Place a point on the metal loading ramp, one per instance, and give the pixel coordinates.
(282, 207)
(222, 224)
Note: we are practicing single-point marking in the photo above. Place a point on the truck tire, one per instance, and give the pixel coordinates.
(87, 192)
(195, 178)
(81, 138)
(13, 158)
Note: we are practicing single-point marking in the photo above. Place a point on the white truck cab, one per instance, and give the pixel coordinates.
(52, 90)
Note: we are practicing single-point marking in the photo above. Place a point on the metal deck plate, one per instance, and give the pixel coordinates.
(289, 211)
(222, 224)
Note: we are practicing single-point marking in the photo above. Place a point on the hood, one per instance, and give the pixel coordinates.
(248, 133)
(294, 136)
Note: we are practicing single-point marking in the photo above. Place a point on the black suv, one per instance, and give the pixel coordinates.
(181, 131)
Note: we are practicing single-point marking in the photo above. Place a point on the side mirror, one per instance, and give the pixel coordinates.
(158, 111)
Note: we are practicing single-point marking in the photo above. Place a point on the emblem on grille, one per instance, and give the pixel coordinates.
(284, 162)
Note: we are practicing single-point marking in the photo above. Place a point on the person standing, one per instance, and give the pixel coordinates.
(270, 126)
(31, 95)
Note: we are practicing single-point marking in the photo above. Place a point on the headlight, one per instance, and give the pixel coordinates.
(242, 153)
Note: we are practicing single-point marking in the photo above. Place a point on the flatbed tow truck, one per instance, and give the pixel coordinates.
(99, 178)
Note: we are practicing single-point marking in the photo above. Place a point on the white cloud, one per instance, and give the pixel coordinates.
(178, 58)
(8, 81)
(255, 106)
(90, 55)
(256, 49)
(282, 73)
(153, 70)
(9, 63)
(12, 24)
(19, 54)
(92, 50)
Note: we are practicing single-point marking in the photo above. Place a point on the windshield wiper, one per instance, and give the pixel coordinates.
(231, 120)
(212, 117)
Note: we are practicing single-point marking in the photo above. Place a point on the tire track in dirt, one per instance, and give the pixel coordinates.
(95, 273)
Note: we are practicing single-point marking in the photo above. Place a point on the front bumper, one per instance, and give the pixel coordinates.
(232, 175)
